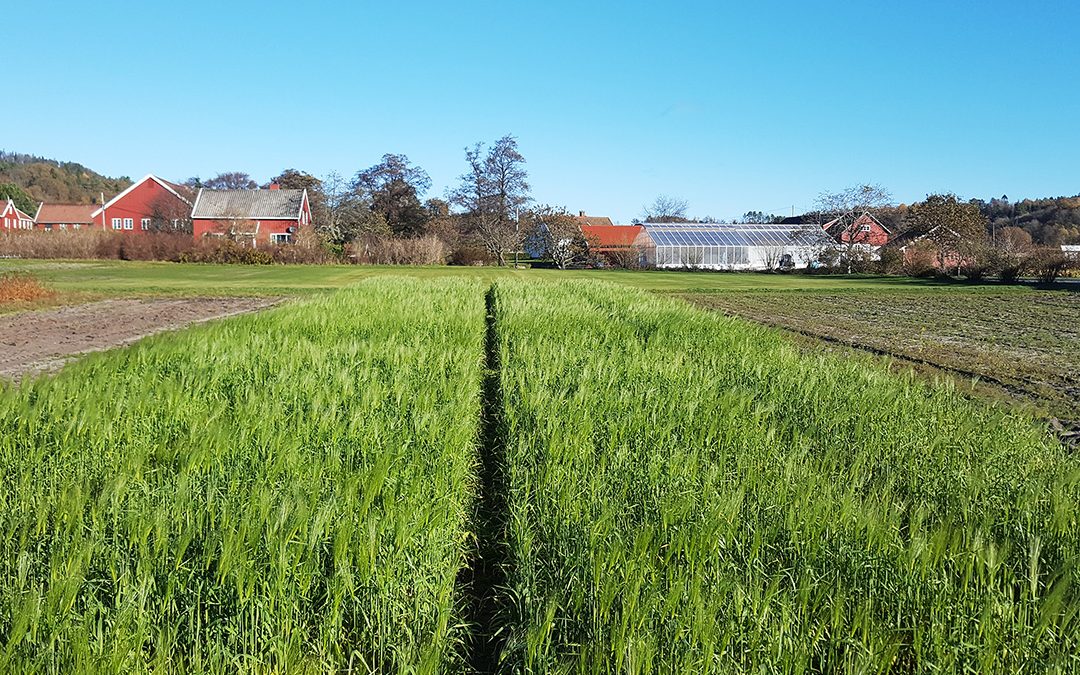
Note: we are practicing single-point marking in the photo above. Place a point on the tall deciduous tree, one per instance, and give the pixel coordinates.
(665, 209)
(393, 188)
(347, 215)
(291, 179)
(493, 194)
(230, 180)
(956, 228)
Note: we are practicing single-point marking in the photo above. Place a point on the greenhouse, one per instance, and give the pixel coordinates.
(731, 246)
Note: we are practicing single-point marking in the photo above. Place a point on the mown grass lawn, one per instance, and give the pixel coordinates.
(113, 277)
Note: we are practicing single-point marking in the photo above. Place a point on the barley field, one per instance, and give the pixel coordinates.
(523, 476)
(690, 493)
(282, 492)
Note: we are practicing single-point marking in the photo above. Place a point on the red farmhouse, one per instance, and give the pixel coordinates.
(253, 217)
(14, 219)
(866, 230)
(64, 216)
(135, 209)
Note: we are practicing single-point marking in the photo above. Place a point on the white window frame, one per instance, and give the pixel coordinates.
(145, 224)
(117, 223)
(865, 228)
(129, 223)
(281, 238)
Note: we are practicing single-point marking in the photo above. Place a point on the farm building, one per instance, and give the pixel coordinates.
(14, 219)
(937, 248)
(584, 220)
(731, 246)
(64, 216)
(864, 231)
(255, 217)
(614, 242)
(1071, 251)
(135, 210)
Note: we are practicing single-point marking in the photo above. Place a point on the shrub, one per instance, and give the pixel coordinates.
(921, 260)
(60, 244)
(384, 250)
(1047, 264)
(21, 287)
(226, 251)
(469, 255)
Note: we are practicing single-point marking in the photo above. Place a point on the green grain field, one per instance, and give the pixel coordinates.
(282, 492)
(501, 472)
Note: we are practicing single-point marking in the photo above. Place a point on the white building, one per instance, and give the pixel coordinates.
(731, 246)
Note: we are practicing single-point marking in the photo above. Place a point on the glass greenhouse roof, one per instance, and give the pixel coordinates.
(729, 234)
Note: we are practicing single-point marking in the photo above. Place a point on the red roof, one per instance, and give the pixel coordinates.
(607, 237)
(65, 213)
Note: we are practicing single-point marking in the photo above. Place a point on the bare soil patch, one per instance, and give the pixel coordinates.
(42, 341)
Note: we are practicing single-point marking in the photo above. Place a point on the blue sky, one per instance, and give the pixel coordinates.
(732, 106)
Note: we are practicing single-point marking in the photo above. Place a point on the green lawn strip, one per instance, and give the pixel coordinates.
(282, 492)
(692, 493)
(112, 277)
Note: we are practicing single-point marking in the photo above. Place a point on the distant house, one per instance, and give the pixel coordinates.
(254, 217)
(134, 210)
(865, 230)
(64, 216)
(14, 219)
(936, 248)
(584, 220)
(1071, 251)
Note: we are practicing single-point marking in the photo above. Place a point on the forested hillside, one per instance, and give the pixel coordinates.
(1051, 221)
(41, 179)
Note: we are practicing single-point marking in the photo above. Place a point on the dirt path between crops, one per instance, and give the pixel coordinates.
(42, 341)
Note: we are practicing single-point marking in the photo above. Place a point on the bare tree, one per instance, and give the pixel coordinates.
(846, 206)
(558, 235)
(665, 209)
(169, 214)
(235, 226)
(772, 256)
(346, 214)
(492, 195)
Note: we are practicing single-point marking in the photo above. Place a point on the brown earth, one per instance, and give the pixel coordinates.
(41, 341)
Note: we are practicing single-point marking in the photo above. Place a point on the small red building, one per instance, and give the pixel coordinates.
(613, 243)
(135, 210)
(64, 216)
(865, 230)
(251, 217)
(11, 218)
(608, 238)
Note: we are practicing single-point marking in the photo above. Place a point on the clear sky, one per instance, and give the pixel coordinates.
(733, 106)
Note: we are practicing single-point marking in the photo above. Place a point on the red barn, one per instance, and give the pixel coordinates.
(865, 230)
(64, 216)
(253, 217)
(13, 219)
(134, 210)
